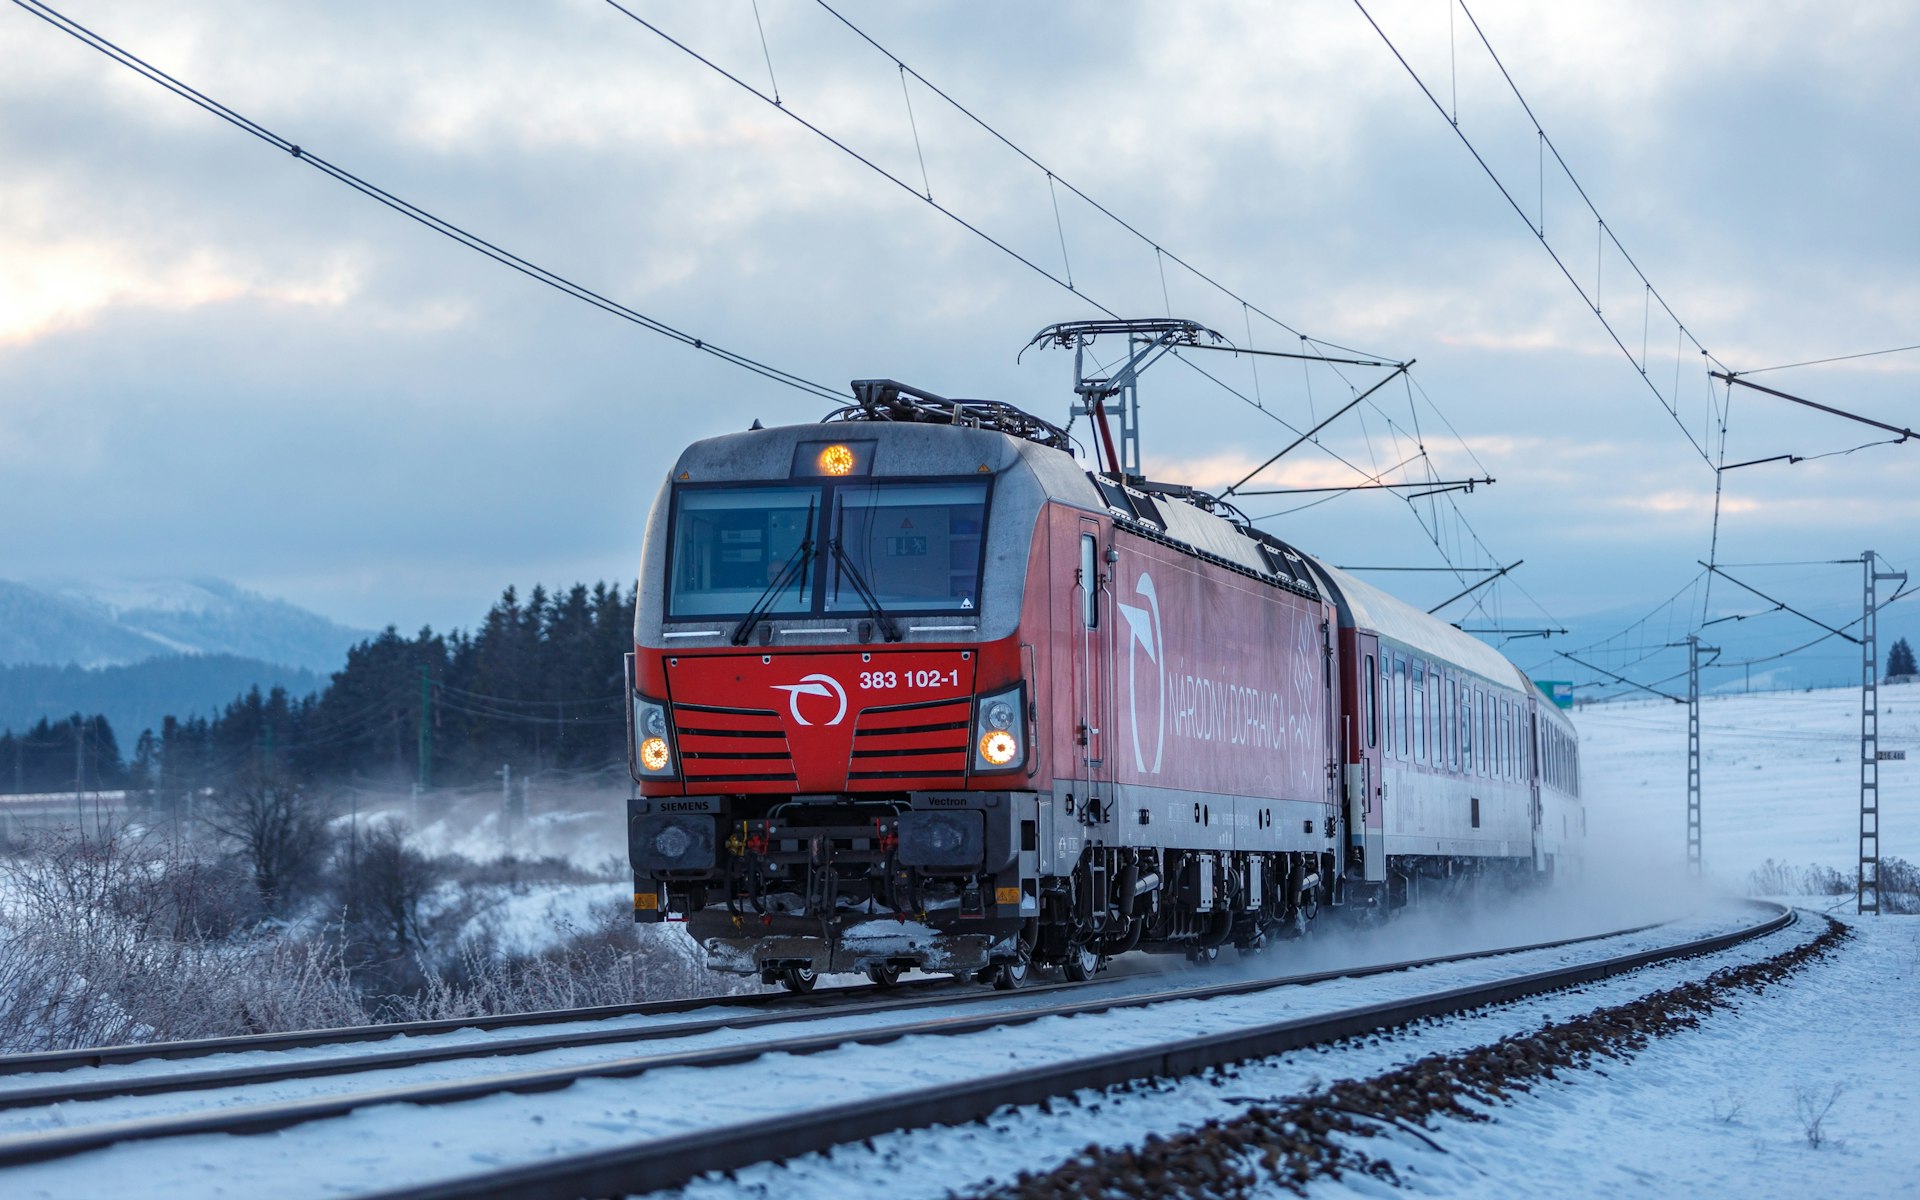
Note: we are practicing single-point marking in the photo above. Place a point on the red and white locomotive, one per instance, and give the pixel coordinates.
(912, 687)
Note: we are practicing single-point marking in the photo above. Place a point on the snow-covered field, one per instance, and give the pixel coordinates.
(1780, 779)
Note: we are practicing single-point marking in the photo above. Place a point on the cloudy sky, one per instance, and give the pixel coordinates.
(214, 360)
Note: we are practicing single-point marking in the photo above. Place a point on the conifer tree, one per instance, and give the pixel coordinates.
(1900, 660)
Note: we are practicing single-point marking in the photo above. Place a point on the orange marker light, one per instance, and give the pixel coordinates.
(836, 460)
(653, 754)
(999, 747)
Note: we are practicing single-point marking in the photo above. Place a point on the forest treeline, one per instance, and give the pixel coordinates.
(536, 686)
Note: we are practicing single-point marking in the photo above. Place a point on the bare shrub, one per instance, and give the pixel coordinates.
(609, 960)
(1899, 886)
(110, 939)
(383, 889)
(278, 829)
(1772, 878)
(1812, 1111)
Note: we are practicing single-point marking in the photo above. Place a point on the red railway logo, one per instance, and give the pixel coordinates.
(814, 685)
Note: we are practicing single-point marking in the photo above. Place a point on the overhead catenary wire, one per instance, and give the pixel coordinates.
(1054, 181)
(1539, 232)
(414, 212)
(951, 214)
(1604, 234)
(1816, 362)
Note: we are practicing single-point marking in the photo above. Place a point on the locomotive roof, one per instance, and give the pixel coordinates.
(1367, 607)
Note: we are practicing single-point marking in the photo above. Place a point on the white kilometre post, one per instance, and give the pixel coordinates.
(1867, 886)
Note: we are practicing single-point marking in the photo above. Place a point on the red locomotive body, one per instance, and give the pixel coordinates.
(914, 689)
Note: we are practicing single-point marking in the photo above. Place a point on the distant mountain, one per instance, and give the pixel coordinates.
(92, 625)
(139, 696)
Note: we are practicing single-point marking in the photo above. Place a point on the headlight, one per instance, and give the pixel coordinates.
(999, 732)
(653, 748)
(654, 756)
(942, 840)
(672, 842)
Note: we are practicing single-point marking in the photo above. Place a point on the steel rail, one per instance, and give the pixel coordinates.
(275, 1072)
(105, 1056)
(681, 1158)
(669, 1162)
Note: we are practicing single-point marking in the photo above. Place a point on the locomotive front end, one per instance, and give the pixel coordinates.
(832, 712)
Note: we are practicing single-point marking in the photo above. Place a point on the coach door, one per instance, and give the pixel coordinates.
(1092, 664)
(1534, 771)
(1366, 825)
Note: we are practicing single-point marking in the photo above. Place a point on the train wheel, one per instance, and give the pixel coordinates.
(799, 980)
(1203, 956)
(1011, 976)
(884, 974)
(1081, 964)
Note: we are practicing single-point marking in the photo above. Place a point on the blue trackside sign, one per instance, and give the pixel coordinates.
(1560, 691)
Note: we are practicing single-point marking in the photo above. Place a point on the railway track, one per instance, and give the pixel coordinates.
(736, 1013)
(668, 1160)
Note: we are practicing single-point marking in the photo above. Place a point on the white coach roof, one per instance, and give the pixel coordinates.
(1370, 608)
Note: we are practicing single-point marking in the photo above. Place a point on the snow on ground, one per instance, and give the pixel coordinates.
(1780, 779)
(1724, 1110)
(533, 917)
(392, 1145)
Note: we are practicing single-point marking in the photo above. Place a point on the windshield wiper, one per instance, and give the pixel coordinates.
(796, 565)
(888, 629)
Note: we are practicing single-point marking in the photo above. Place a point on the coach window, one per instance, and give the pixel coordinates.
(1456, 723)
(1402, 742)
(1480, 737)
(1417, 681)
(1490, 735)
(1089, 582)
(1438, 756)
(1373, 712)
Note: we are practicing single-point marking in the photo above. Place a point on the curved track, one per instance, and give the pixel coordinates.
(666, 1161)
(761, 1010)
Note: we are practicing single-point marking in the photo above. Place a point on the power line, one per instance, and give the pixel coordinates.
(1054, 181)
(1539, 231)
(1158, 247)
(1815, 362)
(413, 212)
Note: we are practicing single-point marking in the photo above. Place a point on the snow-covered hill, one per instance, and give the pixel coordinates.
(97, 625)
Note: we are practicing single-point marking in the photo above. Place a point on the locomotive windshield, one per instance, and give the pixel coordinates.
(914, 545)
